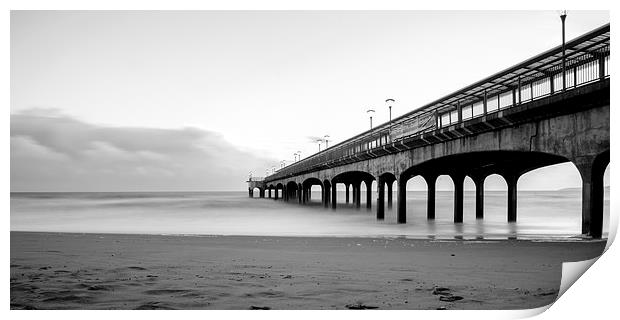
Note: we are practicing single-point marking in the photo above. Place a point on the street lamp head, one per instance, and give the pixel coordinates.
(389, 101)
(370, 111)
(562, 14)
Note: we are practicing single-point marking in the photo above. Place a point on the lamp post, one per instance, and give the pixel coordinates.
(563, 17)
(295, 156)
(319, 142)
(370, 112)
(326, 141)
(389, 103)
(299, 154)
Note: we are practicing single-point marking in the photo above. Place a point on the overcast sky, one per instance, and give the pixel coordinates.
(111, 101)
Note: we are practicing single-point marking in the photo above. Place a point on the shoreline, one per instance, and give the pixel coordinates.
(490, 237)
(121, 271)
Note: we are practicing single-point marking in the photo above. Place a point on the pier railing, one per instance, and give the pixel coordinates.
(586, 60)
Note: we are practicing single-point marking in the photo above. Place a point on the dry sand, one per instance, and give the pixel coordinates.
(111, 271)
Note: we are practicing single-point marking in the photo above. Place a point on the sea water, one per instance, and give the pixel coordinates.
(541, 215)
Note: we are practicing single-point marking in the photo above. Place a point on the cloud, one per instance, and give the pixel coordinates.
(51, 151)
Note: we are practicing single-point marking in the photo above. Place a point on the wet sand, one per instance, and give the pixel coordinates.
(112, 271)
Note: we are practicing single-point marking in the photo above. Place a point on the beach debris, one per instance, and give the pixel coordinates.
(452, 255)
(136, 268)
(45, 268)
(359, 306)
(288, 276)
(406, 279)
(441, 291)
(446, 295)
(450, 298)
(548, 293)
(259, 308)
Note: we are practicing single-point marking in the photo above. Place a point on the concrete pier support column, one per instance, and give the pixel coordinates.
(511, 181)
(389, 194)
(334, 196)
(269, 190)
(357, 190)
(380, 199)
(299, 193)
(262, 193)
(346, 193)
(431, 181)
(250, 192)
(458, 180)
(401, 216)
(284, 194)
(479, 182)
(304, 196)
(326, 195)
(368, 194)
(592, 194)
(276, 194)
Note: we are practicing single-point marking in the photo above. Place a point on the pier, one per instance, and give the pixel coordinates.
(552, 108)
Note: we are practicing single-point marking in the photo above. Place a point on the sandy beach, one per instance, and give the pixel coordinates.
(115, 271)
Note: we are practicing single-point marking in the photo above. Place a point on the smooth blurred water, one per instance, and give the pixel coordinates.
(546, 214)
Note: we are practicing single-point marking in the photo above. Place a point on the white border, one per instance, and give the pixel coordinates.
(591, 296)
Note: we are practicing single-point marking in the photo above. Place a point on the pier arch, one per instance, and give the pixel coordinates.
(495, 187)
